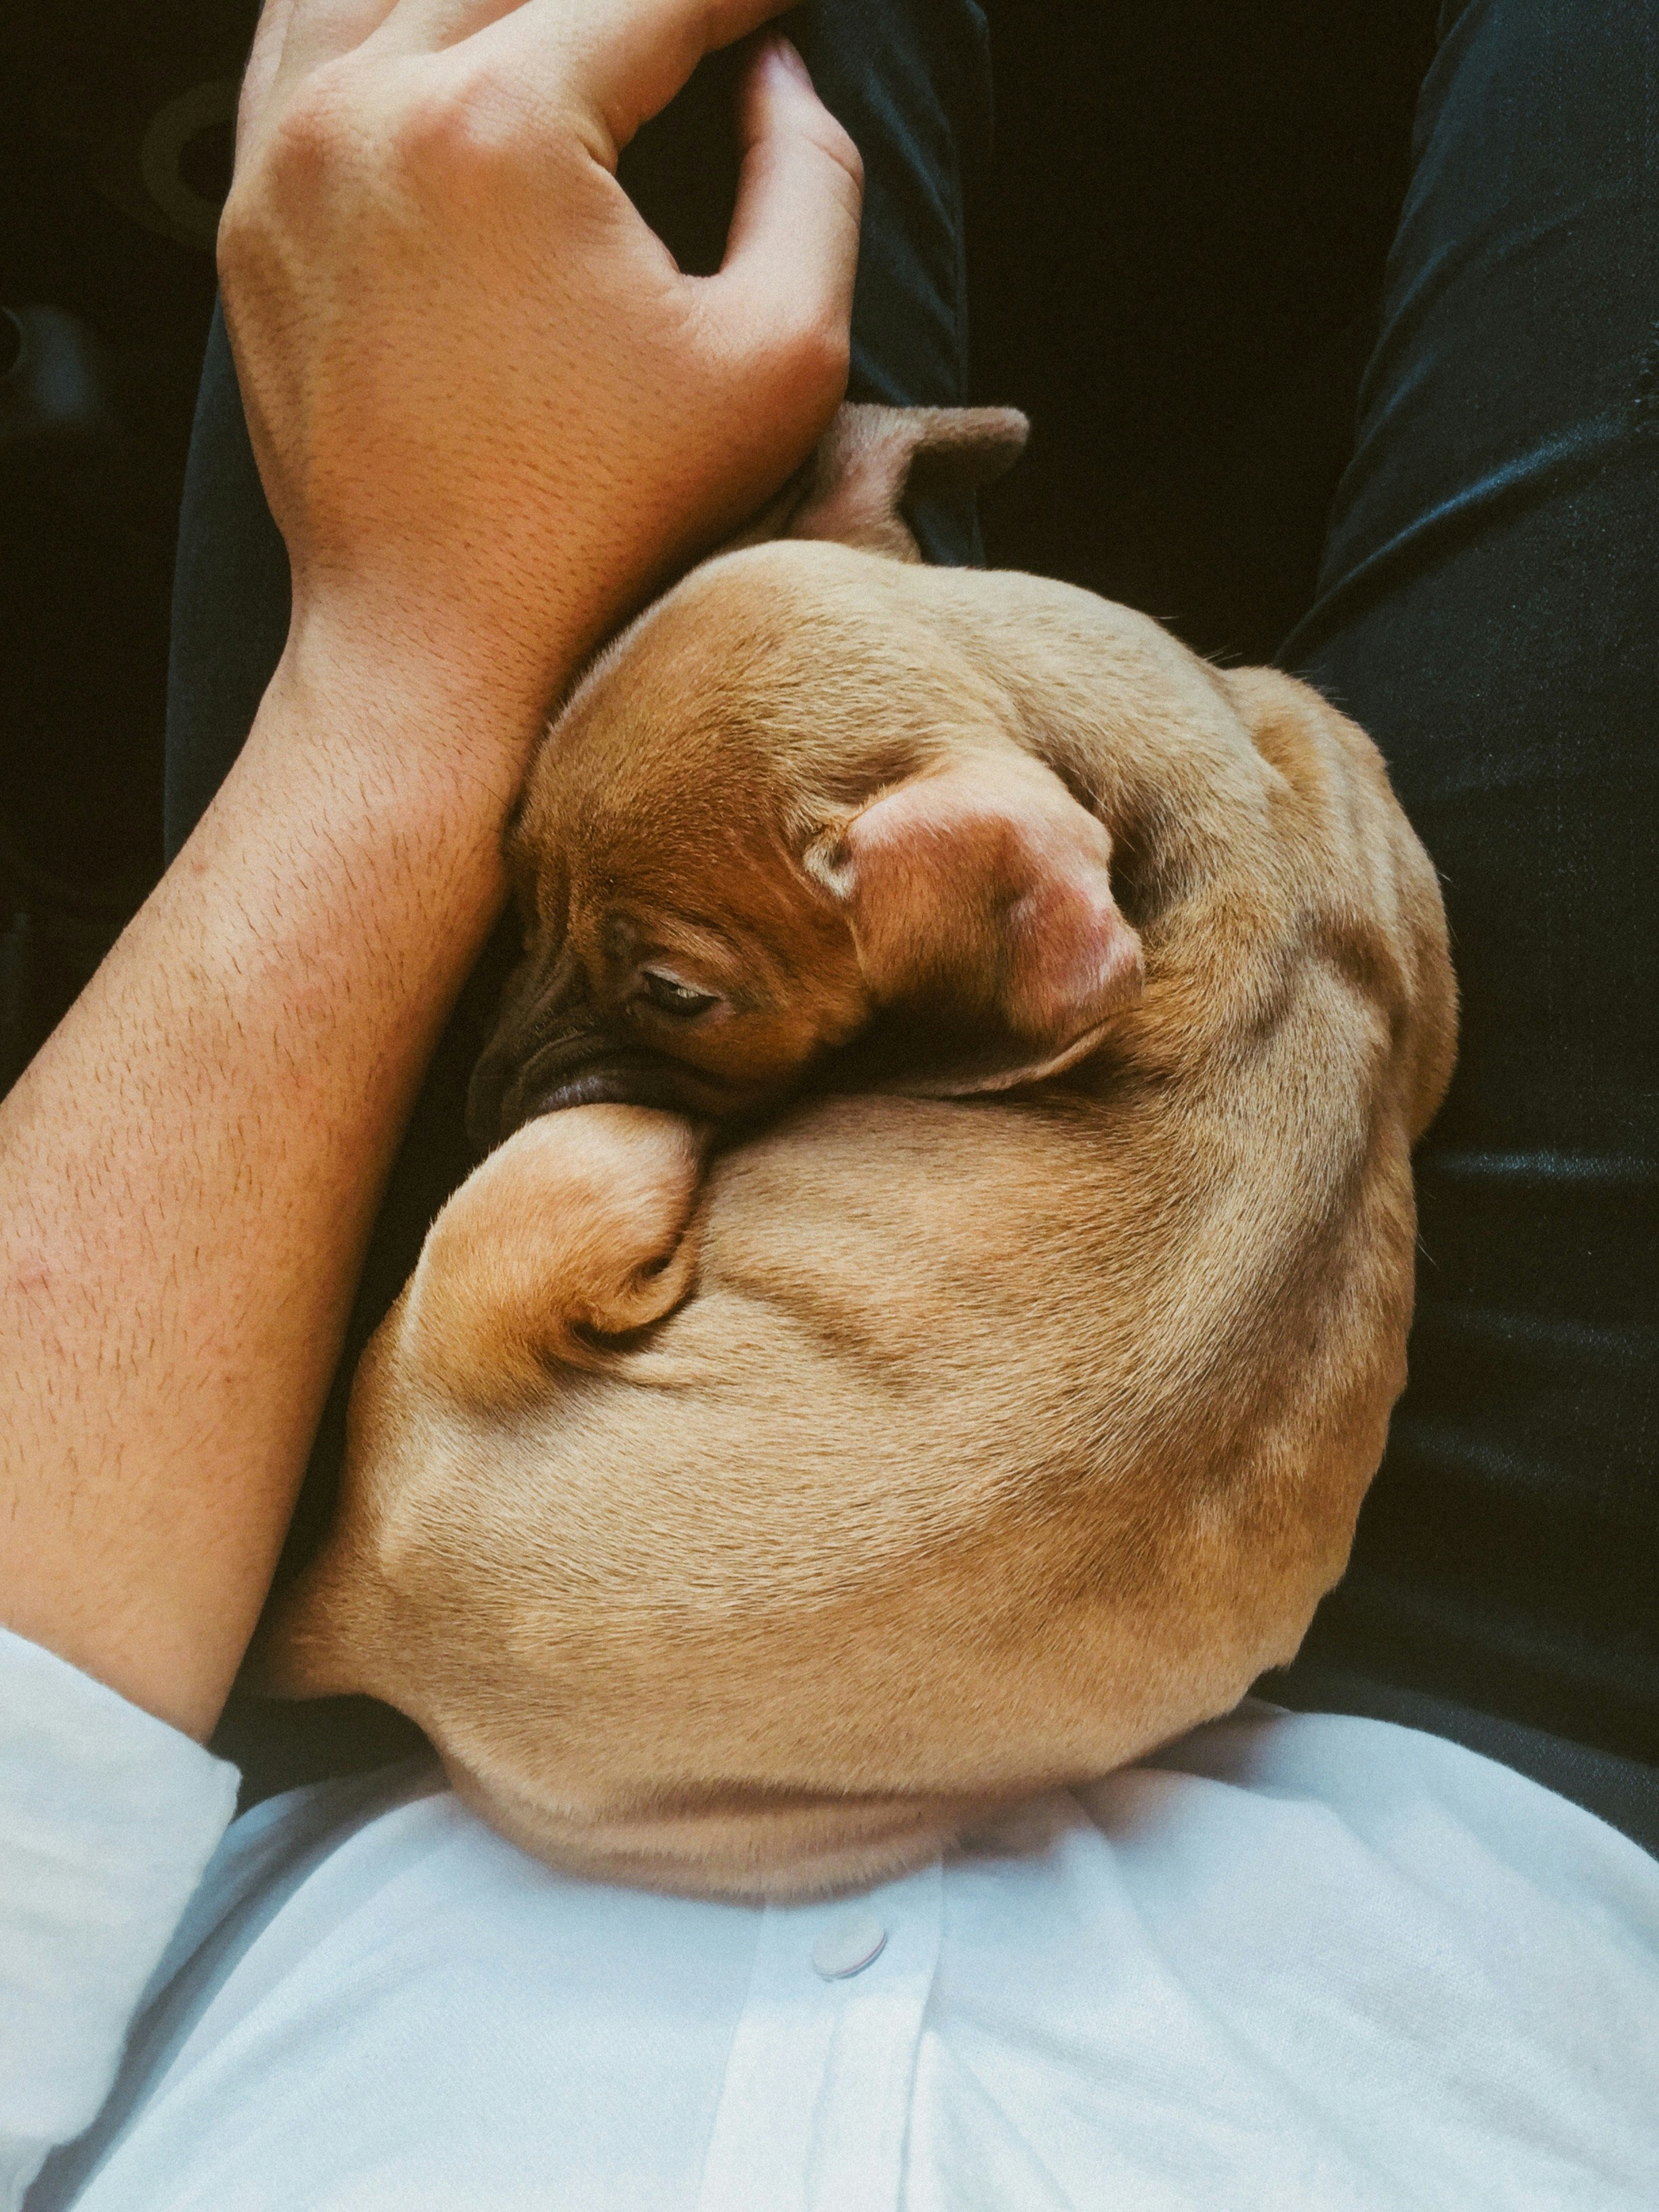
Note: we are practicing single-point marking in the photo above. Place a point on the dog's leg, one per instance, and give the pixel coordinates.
(575, 1231)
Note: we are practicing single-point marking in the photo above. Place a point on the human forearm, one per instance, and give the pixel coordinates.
(488, 413)
(189, 1172)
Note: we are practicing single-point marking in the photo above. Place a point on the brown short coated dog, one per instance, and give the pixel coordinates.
(941, 1349)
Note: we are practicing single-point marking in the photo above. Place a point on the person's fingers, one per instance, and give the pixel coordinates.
(264, 56)
(319, 31)
(428, 25)
(623, 60)
(792, 249)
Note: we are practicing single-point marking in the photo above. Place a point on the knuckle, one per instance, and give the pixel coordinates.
(454, 126)
(318, 126)
(430, 124)
(292, 166)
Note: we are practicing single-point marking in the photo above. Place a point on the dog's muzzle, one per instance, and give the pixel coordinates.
(591, 1068)
(587, 1067)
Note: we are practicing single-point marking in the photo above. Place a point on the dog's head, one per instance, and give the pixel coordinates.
(781, 827)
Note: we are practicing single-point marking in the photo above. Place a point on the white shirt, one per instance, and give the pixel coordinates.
(1293, 1962)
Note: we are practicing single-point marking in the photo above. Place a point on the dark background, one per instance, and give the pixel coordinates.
(1177, 241)
(1177, 252)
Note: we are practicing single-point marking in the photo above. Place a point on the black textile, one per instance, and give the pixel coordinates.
(1488, 610)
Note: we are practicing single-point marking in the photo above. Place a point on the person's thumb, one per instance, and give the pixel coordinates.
(784, 293)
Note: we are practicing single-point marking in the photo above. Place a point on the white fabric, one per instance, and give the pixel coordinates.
(108, 1818)
(1294, 1962)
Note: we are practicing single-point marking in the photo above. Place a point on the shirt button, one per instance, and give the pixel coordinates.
(848, 1946)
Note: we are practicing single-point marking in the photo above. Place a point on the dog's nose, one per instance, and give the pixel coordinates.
(548, 1004)
(520, 1077)
(603, 1074)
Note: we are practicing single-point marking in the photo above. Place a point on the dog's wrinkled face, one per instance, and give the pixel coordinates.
(735, 874)
(708, 994)
(688, 944)
(679, 952)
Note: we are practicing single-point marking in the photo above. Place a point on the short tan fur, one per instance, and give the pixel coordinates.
(962, 1372)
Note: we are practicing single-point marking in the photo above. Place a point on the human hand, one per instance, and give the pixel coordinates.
(489, 410)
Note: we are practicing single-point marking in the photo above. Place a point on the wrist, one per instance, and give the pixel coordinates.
(451, 699)
(364, 816)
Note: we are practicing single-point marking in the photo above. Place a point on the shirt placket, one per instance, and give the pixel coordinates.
(815, 2107)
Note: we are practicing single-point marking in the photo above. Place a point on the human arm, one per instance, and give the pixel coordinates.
(432, 281)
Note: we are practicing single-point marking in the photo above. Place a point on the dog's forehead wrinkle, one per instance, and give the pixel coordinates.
(638, 934)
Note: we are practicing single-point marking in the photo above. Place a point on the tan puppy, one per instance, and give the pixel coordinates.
(748, 1523)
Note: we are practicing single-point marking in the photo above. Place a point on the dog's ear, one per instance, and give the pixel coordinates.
(980, 905)
(872, 461)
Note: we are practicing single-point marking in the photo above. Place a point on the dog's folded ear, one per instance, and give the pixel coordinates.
(980, 905)
(871, 461)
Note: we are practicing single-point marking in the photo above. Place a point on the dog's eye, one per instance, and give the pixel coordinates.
(669, 997)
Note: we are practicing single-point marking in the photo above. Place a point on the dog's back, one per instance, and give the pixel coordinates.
(999, 1439)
